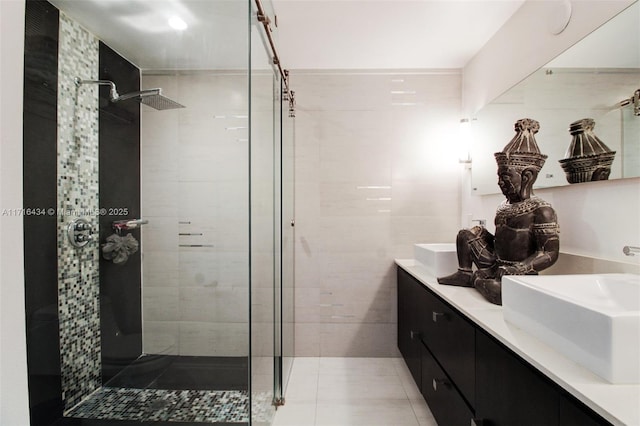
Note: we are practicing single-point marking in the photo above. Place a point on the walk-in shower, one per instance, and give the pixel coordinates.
(194, 325)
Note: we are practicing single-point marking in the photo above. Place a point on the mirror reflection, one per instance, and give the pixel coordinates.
(597, 79)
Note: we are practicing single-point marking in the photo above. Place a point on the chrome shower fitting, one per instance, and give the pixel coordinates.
(113, 93)
(634, 101)
(631, 250)
(149, 97)
(79, 232)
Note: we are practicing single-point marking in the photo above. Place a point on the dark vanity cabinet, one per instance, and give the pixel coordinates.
(447, 404)
(508, 391)
(437, 344)
(411, 298)
(467, 376)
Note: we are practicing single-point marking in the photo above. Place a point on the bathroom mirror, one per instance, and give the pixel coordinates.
(592, 79)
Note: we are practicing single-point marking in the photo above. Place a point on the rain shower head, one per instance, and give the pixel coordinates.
(149, 97)
(152, 98)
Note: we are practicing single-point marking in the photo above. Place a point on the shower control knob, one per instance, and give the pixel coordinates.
(79, 232)
(82, 226)
(81, 238)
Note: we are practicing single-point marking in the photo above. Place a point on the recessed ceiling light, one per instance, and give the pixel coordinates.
(177, 23)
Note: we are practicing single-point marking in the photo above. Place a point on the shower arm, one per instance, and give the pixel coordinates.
(113, 93)
(634, 100)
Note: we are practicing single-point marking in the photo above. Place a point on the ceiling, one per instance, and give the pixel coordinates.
(311, 34)
(386, 34)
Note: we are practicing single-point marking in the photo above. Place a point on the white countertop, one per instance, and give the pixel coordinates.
(619, 404)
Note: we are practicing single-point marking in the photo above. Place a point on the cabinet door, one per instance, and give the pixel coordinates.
(446, 404)
(575, 413)
(451, 339)
(409, 296)
(508, 391)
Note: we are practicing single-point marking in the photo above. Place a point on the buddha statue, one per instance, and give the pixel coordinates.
(526, 237)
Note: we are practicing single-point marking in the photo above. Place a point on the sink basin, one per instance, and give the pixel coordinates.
(438, 259)
(592, 319)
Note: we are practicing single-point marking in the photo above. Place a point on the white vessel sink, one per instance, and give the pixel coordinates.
(438, 259)
(592, 319)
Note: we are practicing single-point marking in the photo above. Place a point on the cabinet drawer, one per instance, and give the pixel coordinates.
(451, 339)
(447, 405)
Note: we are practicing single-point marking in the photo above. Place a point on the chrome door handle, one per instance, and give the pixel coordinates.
(435, 315)
(439, 382)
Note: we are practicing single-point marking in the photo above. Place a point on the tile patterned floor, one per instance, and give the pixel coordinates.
(164, 405)
(352, 392)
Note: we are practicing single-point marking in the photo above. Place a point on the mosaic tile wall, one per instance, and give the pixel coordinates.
(77, 177)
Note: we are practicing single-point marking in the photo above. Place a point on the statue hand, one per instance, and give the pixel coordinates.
(477, 230)
(519, 269)
(503, 270)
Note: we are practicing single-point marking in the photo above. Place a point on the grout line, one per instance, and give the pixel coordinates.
(399, 367)
(315, 413)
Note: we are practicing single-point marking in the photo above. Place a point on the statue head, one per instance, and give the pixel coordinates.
(520, 162)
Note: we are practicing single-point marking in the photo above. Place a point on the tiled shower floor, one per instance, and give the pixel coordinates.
(153, 405)
(177, 390)
(184, 373)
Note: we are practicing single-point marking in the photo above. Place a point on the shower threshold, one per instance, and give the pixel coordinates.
(172, 390)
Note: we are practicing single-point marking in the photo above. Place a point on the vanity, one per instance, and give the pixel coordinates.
(473, 367)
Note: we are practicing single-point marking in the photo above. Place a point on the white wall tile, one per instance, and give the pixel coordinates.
(372, 179)
(349, 340)
(159, 198)
(307, 339)
(195, 170)
(160, 303)
(160, 337)
(214, 304)
(160, 268)
(213, 339)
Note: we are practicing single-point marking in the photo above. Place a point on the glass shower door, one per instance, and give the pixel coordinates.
(271, 228)
(287, 237)
(264, 240)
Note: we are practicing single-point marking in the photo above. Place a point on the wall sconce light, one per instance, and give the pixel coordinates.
(464, 141)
